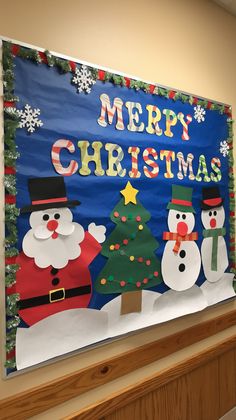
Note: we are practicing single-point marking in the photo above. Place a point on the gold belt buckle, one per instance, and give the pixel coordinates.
(51, 293)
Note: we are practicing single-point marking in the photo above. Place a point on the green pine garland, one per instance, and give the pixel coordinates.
(231, 191)
(11, 123)
(64, 66)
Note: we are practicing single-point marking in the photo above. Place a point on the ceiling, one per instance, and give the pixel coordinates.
(229, 5)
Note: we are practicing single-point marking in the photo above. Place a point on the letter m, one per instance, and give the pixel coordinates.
(106, 109)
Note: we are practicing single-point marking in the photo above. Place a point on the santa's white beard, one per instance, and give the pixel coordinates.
(55, 252)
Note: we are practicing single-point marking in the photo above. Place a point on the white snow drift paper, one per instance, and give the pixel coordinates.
(59, 334)
(219, 290)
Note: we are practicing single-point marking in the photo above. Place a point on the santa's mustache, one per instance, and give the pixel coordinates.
(63, 228)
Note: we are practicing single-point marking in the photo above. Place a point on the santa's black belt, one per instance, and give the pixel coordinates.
(54, 296)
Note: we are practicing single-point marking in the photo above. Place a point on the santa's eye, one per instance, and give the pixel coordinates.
(57, 216)
(210, 213)
(45, 217)
(177, 216)
(184, 216)
(215, 213)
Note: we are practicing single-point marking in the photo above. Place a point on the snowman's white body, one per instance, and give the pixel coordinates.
(180, 271)
(172, 263)
(218, 215)
(222, 258)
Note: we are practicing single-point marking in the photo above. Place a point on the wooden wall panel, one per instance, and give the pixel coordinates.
(193, 396)
(41, 398)
(227, 379)
(203, 391)
(188, 390)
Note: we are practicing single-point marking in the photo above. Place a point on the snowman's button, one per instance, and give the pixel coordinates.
(182, 253)
(54, 271)
(181, 267)
(55, 281)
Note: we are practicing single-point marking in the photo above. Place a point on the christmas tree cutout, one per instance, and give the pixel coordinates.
(132, 264)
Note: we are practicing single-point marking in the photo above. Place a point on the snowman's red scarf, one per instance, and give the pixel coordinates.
(172, 236)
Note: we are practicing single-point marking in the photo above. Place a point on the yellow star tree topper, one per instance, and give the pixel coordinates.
(129, 194)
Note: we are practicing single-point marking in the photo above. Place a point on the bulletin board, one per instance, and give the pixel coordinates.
(119, 204)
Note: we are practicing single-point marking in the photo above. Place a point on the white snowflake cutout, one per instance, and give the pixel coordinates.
(199, 113)
(29, 118)
(83, 79)
(224, 148)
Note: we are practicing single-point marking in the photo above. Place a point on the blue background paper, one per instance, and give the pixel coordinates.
(67, 114)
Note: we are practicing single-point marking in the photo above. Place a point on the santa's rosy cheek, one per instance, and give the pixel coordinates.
(213, 223)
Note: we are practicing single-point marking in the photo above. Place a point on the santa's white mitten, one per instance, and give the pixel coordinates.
(98, 232)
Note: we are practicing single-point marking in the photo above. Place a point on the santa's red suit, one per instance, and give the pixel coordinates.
(45, 291)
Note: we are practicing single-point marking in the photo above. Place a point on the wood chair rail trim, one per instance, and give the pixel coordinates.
(101, 409)
(41, 398)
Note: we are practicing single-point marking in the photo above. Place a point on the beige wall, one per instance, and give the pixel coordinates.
(189, 45)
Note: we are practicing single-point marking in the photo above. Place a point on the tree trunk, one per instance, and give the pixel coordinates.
(131, 302)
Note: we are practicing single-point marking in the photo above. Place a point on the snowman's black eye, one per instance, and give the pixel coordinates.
(215, 213)
(184, 216)
(45, 217)
(57, 216)
(210, 213)
(177, 216)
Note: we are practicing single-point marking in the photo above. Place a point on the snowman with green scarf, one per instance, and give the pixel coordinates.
(218, 285)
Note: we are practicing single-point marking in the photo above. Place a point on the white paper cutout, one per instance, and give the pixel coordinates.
(224, 148)
(175, 217)
(58, 248)
(219, 290)
(98, 232)
(59, 334)
(83, 79)
(199, 113)
(180, 271)
(29, 118)
(173, 304)
(218, 216)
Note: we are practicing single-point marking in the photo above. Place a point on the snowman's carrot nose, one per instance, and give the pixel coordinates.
(52, 225)
(182, 228)
(213, 223)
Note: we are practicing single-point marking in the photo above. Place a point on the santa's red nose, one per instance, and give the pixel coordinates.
(182, 228)
(213, 223)
(52, 225)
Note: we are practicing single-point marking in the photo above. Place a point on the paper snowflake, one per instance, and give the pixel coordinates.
(224, 148)
(83, 79)
(29, 118)
(199, 113)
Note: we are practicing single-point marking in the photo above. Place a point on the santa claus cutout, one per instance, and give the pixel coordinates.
(56, 252)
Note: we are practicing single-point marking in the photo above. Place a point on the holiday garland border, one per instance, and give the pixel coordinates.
(11, 123)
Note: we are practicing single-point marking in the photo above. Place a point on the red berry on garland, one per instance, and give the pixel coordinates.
(155, 273)
(138, 284)
(123, 219)
(148, 262)
(145, 281)
(125, 241)
(116, 214)
(117, 246)
(138, 218)
(140, 259)
(122, 283)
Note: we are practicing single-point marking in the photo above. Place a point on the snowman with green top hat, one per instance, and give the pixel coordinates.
(181, 261)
